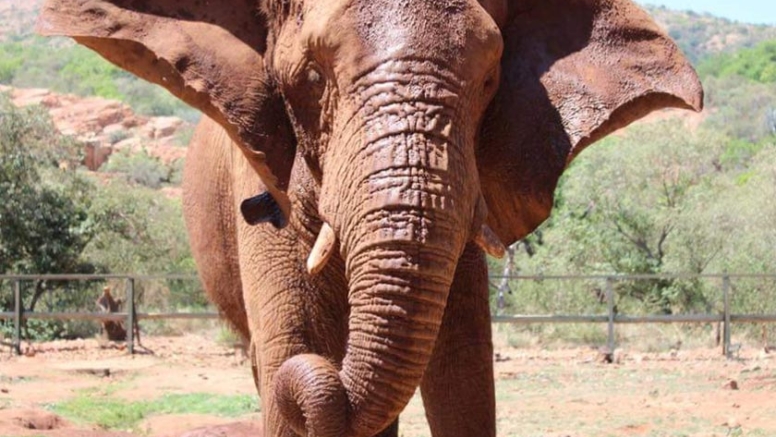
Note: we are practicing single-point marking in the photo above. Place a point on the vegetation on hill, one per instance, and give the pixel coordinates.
(704, 35)
(30, 61)
(63, 66)
(757, 64)
(44, 216)
(17, 18)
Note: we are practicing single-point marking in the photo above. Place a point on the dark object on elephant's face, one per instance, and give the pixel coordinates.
(262, 209)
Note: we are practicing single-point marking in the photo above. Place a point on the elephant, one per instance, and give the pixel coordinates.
(357, 160)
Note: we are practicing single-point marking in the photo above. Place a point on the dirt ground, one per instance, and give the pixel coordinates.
(558, 393)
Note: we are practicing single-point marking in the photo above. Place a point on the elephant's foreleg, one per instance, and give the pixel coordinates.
(290, 312)
(211, 221)
(458, 389)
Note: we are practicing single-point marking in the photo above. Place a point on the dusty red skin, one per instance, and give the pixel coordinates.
(406, 126)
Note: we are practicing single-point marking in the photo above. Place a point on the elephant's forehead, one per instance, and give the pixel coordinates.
(426, 25)
(360, 33)
(391, 24)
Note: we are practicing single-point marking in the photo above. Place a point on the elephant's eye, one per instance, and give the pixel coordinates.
(314, 76)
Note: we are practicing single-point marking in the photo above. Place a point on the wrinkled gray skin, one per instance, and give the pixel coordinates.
(398, 139)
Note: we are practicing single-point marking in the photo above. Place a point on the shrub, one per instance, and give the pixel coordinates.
(139, 167)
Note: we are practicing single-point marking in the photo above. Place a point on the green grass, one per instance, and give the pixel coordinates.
(115, 413)
(205, 403)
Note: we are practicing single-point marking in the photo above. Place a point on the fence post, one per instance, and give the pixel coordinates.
(610, 301)
(726, 323)
(18, 309)
(131, 315)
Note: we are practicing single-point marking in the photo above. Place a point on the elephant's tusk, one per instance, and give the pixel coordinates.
(322, 250)
(490, 242)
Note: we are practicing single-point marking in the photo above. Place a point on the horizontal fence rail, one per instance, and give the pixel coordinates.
(114, 317)
(611, 318)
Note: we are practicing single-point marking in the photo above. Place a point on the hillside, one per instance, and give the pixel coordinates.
(756, 64)
(17, 18)
(29, 61)
(58, 64)
(702, 35)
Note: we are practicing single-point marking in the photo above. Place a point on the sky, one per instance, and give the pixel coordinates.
(748, 11)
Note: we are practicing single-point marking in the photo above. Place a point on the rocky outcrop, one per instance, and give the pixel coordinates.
(105, 126)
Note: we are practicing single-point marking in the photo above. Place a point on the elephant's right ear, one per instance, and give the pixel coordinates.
(208, 54)
(573, 71)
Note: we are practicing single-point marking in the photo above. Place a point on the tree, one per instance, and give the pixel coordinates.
(627, 206)
(741, 108)
(44, 223)
(44, 217)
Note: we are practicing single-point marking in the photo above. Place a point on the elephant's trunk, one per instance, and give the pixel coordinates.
(402, 219)
(399, 290)
(396, 312)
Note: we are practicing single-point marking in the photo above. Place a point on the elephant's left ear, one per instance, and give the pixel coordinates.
(573, 71)
(208, 54)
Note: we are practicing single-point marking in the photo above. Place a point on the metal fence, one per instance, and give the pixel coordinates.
(607, 282)
(725, 316)
(130, 314)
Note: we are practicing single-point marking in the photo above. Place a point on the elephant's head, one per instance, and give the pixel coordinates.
(425, 124)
